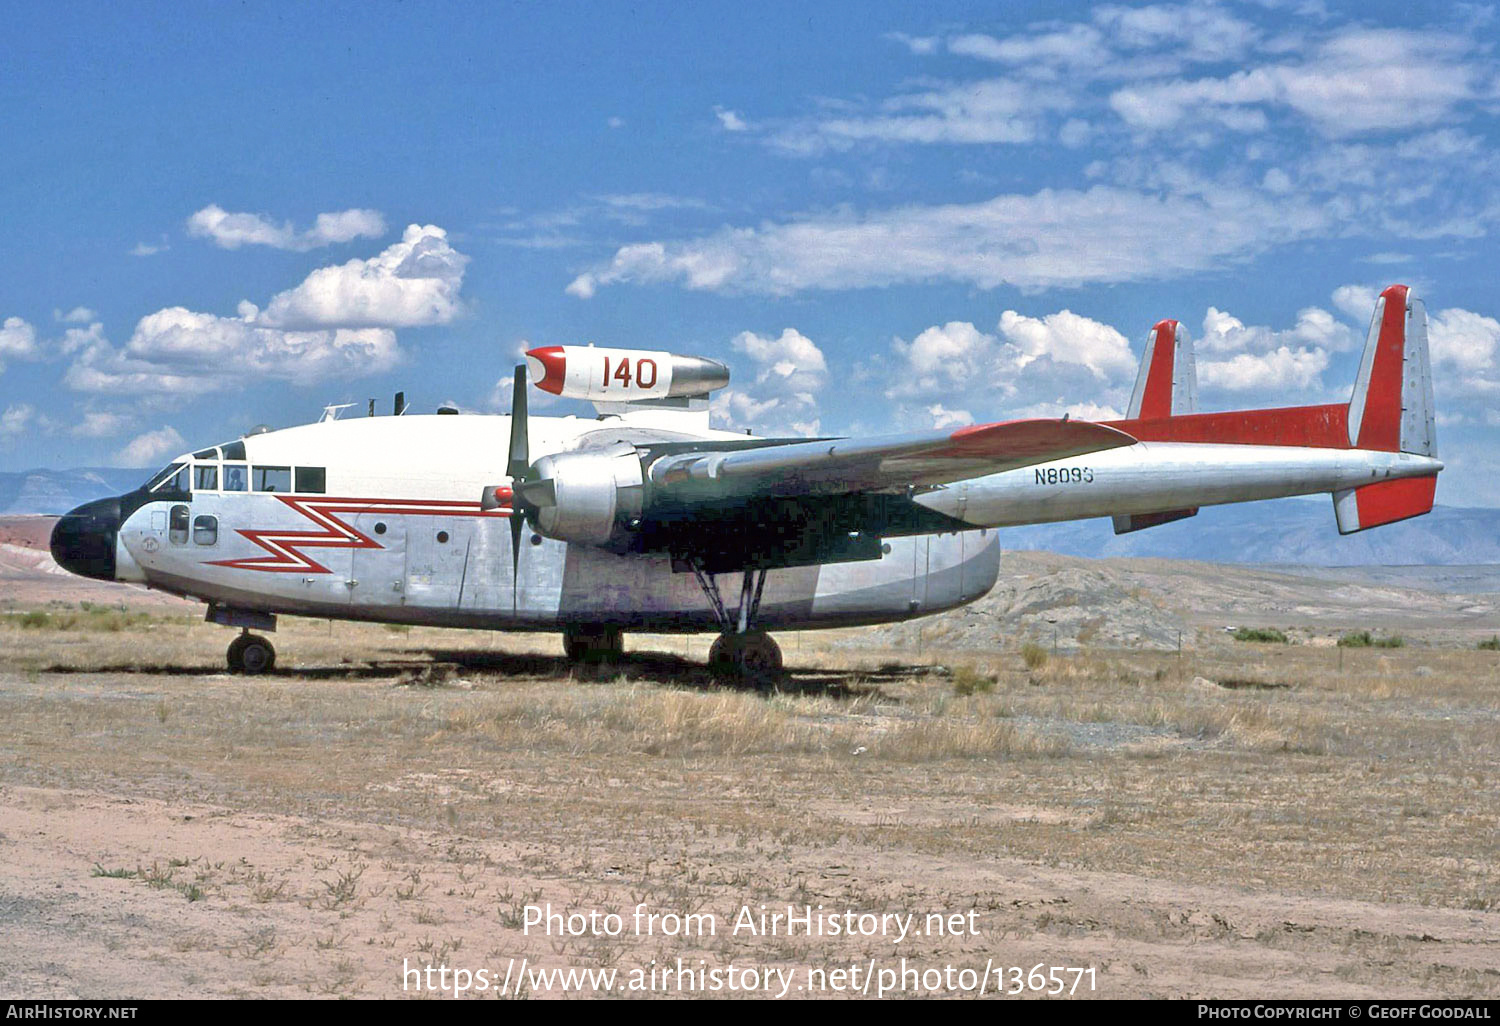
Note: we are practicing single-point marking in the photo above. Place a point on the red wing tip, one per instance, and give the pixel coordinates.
(1046, 428)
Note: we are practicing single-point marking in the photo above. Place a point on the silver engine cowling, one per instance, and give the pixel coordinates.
(586, 496)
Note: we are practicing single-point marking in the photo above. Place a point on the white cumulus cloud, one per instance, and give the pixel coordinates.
(17, 339)
(338, 323)
(148, 449)
(782, 399)
(413, 282)
(233, 230)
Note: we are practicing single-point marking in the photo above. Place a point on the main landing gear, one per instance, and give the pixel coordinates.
(741, 651)
(251, 654)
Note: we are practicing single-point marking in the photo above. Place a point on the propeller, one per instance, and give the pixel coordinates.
(518, 467)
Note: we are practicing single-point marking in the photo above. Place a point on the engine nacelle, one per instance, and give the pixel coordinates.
(586, 496)
(622, 375)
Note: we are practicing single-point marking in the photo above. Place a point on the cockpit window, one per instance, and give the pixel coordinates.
(234, 450)
(234, 477)
(171, 478)
(205, 478)
(206, 454)
(272, 479)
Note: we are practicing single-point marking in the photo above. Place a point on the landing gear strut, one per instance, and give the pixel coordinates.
(741, 650)
(251, 654)
(594, 644)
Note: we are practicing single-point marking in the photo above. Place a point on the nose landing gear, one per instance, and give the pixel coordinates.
(251, 654)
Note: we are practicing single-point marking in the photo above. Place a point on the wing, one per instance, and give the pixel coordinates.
(886, 463)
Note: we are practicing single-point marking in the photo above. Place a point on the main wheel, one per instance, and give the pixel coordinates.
(752, 657)
(594, 646)
(251, 654)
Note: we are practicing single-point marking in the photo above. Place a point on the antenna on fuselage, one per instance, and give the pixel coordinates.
(400, 403)
(372, 407)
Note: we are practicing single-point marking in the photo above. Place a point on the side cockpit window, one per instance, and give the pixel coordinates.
(205, 478)
(235, 477)
(312, 480)
(272, 479)
(171, 478)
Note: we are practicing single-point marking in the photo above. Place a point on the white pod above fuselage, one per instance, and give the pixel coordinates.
(621, 375)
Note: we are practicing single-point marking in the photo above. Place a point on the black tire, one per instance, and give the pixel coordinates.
(752, 658)
(251, 654)
(721, 657)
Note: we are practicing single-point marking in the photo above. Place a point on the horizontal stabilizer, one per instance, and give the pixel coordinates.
(1141, 521)
(1371, 505)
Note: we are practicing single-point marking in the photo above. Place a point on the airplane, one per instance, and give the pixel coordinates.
(644, 518)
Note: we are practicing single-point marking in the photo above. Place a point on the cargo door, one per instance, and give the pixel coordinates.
(377, 576)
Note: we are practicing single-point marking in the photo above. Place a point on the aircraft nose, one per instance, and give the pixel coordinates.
(83, 540)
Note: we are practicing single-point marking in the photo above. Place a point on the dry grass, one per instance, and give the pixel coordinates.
(1304, 773)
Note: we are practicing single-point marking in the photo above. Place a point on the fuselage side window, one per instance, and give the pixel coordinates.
(235, 477)
(205, 530)
(312, 479)
(272, 479)
(177, 530)
(205, 477)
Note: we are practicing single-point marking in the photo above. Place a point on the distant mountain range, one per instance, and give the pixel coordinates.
(57, 491)
(1287, 531)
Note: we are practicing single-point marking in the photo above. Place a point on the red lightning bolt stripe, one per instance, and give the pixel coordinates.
(285, 547)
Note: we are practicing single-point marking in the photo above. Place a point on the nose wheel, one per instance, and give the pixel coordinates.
(251, 654)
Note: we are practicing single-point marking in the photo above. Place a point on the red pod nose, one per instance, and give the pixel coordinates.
(548, 366)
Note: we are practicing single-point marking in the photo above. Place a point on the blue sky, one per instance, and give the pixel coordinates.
(881, 216)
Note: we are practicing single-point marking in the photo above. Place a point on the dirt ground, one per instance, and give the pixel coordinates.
(1246, 820)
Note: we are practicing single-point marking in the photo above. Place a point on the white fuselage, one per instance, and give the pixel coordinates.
(396, 532)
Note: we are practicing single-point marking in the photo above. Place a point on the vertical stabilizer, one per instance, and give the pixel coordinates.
(1391, 411)
(1167, 385)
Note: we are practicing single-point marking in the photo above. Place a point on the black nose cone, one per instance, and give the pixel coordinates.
(83, 541)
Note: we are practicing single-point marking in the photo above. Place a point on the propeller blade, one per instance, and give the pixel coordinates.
(520, 455)
(517, 527)
(518, 465)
